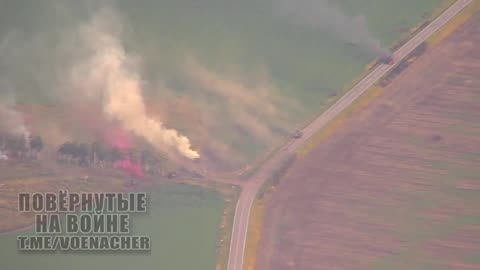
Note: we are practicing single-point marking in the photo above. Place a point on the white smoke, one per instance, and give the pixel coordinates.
(11, 121)
(3, 156)
(251, 106)
(110, 74)
(325, 16)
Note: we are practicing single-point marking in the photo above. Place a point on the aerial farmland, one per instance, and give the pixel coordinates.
(188, 101)
(398, 186)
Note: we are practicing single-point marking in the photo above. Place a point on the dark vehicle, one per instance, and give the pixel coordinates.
(387, 59)
(297, 135)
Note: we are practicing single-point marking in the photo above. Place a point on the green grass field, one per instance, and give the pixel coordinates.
(242, 43)
(307, 64)
(183, 224)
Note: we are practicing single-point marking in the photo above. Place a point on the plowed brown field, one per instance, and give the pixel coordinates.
(398, 187)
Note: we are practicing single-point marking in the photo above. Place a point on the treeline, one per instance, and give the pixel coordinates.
(93, 155)
(404, 64)
(274, 179)
(100, 155)
(20, 146)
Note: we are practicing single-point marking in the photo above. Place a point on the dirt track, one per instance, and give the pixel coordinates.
(399, 186)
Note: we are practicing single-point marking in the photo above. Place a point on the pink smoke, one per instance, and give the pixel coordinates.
(133, 168)
(118, 139)
(121, 140)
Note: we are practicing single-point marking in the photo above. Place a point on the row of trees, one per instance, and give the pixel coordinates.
(21, 146)
(95, 155)
(100, 155)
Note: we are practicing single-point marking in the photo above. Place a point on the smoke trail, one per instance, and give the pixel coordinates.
(110, 74)
(321, 15)
(252, 107)
(11, 121)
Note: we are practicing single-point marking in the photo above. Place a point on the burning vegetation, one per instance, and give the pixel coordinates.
(132, 161)
(116, 154)
(109, 76)
(99, 76)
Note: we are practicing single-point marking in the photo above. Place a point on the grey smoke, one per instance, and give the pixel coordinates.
(326, 17)
(11, 121)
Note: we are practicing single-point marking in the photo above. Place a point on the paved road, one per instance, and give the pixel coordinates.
(251, 187)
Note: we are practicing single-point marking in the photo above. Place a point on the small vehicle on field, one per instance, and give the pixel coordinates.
(297, 134)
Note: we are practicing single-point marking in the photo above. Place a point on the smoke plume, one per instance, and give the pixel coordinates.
(251, 106)
(11, 121)
(324, 16)
(109, 73)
